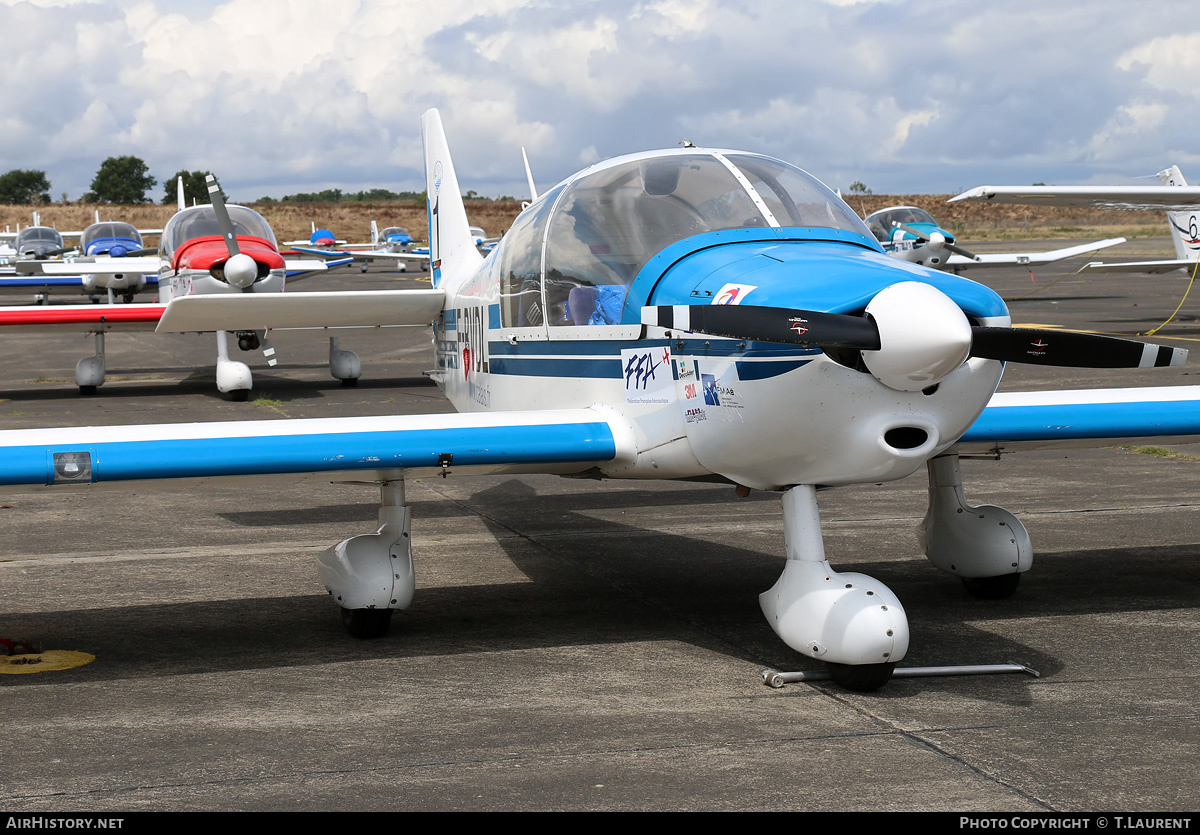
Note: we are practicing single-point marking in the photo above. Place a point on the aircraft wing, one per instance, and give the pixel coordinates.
(98, 266)
(1103, 197)
(58, 284)
(269, 311)
(959, 262)
(1152, 267)
(365, 255)
(83, 318)
(1085, 418)
(359, 448)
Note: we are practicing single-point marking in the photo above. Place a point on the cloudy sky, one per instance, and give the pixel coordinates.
(280, 96)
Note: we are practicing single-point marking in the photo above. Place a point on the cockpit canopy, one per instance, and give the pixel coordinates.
(601, 227)
(201, 221)
(880, 222)
(395, 234)
(37, 240)
(107, 233)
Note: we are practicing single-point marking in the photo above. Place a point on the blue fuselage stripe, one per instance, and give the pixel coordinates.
(282, 454)
(1085, 421)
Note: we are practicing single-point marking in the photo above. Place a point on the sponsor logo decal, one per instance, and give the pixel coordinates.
(733, 293)
(647, 375)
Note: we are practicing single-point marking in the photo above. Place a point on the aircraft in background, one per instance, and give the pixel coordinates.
(913, 235)
(678, 314)
(393, 244)
(1173, 194)
(204, 250)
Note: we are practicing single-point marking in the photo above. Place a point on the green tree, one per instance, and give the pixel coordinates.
(858, 187)
(195, 187)
(121, 180)
(20, 186)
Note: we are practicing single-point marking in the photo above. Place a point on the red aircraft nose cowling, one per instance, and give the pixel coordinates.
(210, 251)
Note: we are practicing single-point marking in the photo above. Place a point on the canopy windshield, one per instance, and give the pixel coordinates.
(109, 230)
(880, 223)
(201, 221)
(598, 230)
(32, 235)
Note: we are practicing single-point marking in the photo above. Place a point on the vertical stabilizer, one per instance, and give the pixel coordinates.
(374, 234)
(179, 198)
(529, 177)
(452, 251)
(1185, 233)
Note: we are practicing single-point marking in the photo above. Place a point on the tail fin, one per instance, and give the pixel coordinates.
(374, 234)
(179, 197)
(1185, 232)
(529, 177)
(452, 252)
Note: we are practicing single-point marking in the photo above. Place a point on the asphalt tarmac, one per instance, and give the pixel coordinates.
(582, 645)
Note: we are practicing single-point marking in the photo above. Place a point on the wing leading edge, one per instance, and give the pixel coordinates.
(362, 448)
(1091, 417)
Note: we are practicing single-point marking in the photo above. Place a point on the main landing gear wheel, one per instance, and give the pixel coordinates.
(862, 678)
(350, 382)
(240, 395)
(992, 588)
(367, 623)
(87, 389)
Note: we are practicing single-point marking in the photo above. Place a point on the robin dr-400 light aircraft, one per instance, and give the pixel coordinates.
(680, 314)
(215, 267)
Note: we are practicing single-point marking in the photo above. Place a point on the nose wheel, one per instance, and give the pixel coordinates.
(992, 588)
(367, 623)
(861, 678)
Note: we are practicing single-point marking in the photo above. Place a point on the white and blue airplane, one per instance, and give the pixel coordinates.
(912, 234)
(678, 314)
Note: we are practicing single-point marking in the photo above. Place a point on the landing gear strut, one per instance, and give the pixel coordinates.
(89, 371)
(984, 545)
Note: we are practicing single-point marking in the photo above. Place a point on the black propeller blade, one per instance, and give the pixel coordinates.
(1069, 349)
(771, 324)
(837, 330)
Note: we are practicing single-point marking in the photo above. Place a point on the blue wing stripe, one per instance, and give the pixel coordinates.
(1085, 421)
(314, 453)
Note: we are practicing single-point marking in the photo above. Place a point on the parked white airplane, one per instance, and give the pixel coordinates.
(1173, 194)
(677, 314)
(912, 234)
(208, 250)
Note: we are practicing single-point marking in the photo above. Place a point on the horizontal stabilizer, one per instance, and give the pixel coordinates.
(267, 311)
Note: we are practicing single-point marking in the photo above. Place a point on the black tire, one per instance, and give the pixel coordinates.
(350, 382)
(89, 390)
(367, 623)
(861, 678)
(992, 588)
(239, 395)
